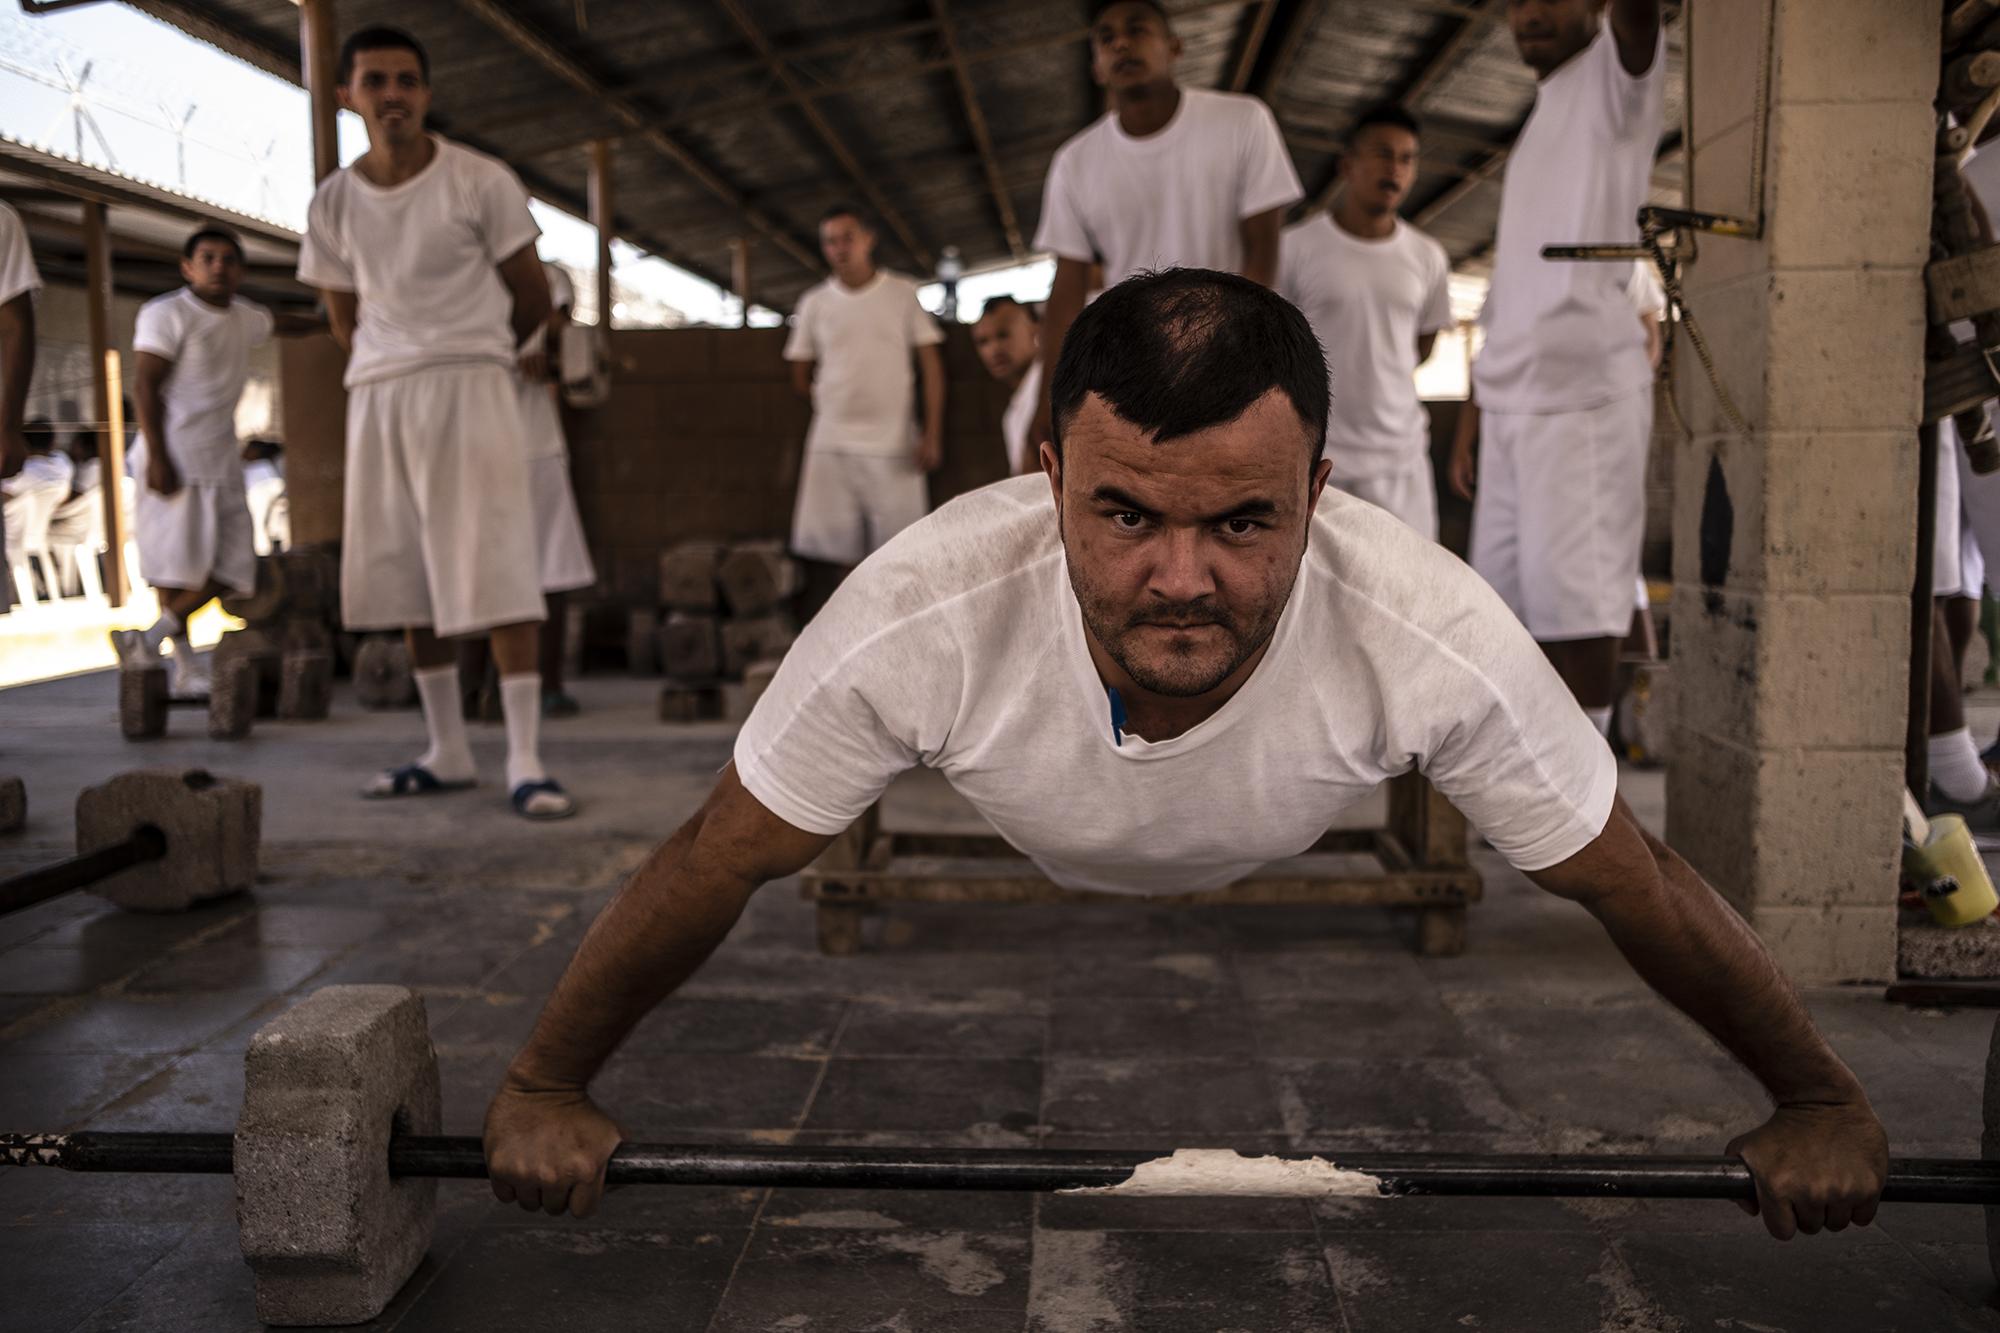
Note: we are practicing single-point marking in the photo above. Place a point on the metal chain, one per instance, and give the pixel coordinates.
(1649, 236)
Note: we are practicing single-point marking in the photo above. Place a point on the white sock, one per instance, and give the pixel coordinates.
(168, 626)
(1599, 718)
(1955, 767)
(521, 705)
(450, 757)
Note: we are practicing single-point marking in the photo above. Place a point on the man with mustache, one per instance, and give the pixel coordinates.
(1169, 660)
(424, 252)
(1562, 404)
(1168, 176)
(1376, 291)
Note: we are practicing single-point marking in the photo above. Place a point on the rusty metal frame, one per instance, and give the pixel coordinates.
(982, 137)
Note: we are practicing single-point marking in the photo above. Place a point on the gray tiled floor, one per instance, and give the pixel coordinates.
(1088, 1028)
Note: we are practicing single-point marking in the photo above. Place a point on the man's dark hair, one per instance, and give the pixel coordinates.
(1097, 10)
(40, 435)
(380, 37)
(212, 232)
(86, 444)
(1385, 113)
(995, 304)
(1184, 349)
(843, 209)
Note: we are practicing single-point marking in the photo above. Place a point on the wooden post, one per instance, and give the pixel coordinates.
(109, 395)
(739, 277)
(319, 56)
(600, 218)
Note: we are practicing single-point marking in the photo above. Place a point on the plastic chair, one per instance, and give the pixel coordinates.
(28, 512)
(76, 535)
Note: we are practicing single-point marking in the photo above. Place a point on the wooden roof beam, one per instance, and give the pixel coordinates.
(789, 81)
(982, 137)
(502, 20)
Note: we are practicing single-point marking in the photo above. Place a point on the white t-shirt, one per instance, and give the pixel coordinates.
(1019, 418)
(1560, 335)
(1644, 291)
(864, 385)
(51, 471)
(1369, 302)
(17, 261)
(960, 646)
(1171, 198)
(422, 259)
(210, 349)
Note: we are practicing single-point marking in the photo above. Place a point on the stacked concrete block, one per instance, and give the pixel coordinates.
(142, 703)
(264, 650)
(232, 698)
(305, 693)
(212, 827)
(294, 610)
(382, 676)
(1793, 542)
(754, 640)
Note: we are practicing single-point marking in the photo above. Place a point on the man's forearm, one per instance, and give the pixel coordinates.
(933, 368)
(1691, 947)
(1065, 303)
(660, 927)
(152, 418)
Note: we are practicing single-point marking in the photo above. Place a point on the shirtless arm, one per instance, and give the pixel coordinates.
(1260, 245)
(802, 379)
(528, 282)
(1066, 293)
(342, 308)
(149, 398)
(1635, 24)
(546, 1142)
(1426, 343)
(1821, 1159)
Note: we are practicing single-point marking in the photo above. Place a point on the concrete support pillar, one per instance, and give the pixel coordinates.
(1794, 546)
(108, 395)
(600, 218)
(319, 56)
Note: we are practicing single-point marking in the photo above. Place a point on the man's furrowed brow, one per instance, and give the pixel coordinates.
(1255, 508)
(1113, 498)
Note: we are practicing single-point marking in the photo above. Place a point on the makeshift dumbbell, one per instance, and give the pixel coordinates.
(382, 677)
(335, 1159)
(154, 840)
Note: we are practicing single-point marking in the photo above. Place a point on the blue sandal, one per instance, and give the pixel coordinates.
(409, 780)
(530, 800)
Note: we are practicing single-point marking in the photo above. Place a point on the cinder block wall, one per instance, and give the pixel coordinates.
(1794, 542)
(700, 438)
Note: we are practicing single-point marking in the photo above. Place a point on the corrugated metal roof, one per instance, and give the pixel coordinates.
(873, 82)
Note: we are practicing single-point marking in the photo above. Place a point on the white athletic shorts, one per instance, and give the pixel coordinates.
(565, 556)
(850, 504)
(1979, 513)
(439, 529)
(1409, 494)
(196, 534)
(1560, 512)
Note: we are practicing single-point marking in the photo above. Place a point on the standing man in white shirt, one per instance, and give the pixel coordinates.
(1563, 390)
(564, 555)
(18, 284)
(425, 254)
(1376, 291)
(1168, 177)
(191, 516)
(1007, 339)
(851, 347)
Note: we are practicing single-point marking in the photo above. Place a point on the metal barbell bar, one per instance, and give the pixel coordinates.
(146, 843)
(1910, 1179)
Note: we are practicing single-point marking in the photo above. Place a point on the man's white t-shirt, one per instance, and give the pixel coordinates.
(1173, 198)
(1368, 303)
(1560, 336)
(864, 393)
(1019, 419)
(422, 259)
(17, 260)
(960, 646)
(210, 348)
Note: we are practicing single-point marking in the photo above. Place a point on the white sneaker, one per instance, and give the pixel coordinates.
(133, 651)
(188, 678)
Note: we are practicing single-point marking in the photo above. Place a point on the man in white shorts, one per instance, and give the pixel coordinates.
(425, 254)
(1167, 663)
(564, 555)
(1563, 391)
(1007, 340)
(851, 347)
(191, 515)
(1169, 175)
(1376, 291)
